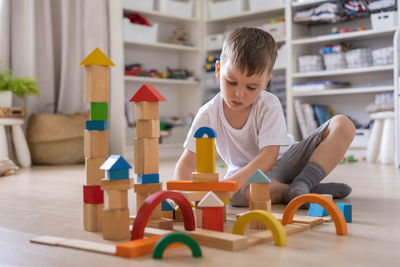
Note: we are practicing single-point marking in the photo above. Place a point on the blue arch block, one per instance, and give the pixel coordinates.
(210, 132)
(316, 210)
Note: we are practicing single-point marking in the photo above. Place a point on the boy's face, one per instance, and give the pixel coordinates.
(238, 90)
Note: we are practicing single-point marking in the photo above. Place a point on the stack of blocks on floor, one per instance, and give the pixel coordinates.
(96, 83)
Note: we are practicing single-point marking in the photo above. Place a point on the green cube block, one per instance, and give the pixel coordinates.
(98, 111)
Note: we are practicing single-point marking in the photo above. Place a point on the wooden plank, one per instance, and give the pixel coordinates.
(265, 236)
(147, 188)
(123, 184)
(219, 240)
(204, 177)
(186, 185)
(75, 243)
(302, 219)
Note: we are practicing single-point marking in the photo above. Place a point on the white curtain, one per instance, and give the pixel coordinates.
(48, 39)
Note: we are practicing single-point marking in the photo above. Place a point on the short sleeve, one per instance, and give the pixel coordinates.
(273, 129)
(202, 119)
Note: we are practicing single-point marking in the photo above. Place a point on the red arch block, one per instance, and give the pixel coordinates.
(152, 202)
(328, 205)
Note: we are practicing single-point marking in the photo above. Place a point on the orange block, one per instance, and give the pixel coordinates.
(140, 247)
(206, 186)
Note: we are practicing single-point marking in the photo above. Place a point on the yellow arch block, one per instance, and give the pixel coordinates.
(205, 155)
(268, 219)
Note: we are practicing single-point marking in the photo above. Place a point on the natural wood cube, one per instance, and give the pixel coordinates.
(146, 155)
(259, 192)
(148, 128)
(259, 205)
(115, 199)
(204, 177)
(93, 173)
(96, 144)
(123, 184)
(146, 110)
(96, 84)
(92, 217)
(116, 224)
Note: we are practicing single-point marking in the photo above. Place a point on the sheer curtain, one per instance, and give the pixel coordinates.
(48, 39)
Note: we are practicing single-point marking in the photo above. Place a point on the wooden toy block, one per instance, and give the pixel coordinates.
(205, 155)
(167, 214)
(194, 195)
(204, 177)
(153, 178)
(96, 84)
(207, 186)
(178, 216)
(96, 125)
(316, 210)
(96, 144)
(166, 206)
(136, 248)
(219, 240)
(124, 184)
(259, 205)
(176, 238)
(93, 173)
(346, 209)
(116, 224)
(147, 93)
(97, 57)
(115, 199)
(99, 111)
(146, 110)
(258, 177)
(115, 162)
(148, 128)
(75, 243)
(92, 217)
(149, 231)
(156, 214)
(92, 194)
(199, 218)
(213, 218)
(313, 221)
(147, 188)
(117, 174)
(259, 192)
(146, 155)
(140, 198)
(161, 223)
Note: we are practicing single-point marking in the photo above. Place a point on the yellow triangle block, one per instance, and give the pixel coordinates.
(97, 57)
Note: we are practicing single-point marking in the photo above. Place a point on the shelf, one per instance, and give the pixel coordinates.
(342, 72)
(345, 91)
(163, 46)
(309, 3)
(160, 80)
(248, 14)
(156, 15)
(345, 36)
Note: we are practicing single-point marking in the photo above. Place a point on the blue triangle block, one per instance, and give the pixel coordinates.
(152, 178)
(115, 162)
(259, 177)
(346, 209)
(166, 206)
(316, 210)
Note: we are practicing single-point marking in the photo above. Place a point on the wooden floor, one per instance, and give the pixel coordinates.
(48, 201)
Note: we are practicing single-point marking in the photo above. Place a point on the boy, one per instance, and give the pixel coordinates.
(251, 128)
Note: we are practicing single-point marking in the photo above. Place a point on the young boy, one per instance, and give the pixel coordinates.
(251, 128)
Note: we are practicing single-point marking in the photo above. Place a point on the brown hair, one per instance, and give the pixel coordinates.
(250, 49)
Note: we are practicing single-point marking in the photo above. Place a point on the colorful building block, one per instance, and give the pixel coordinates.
(184, 185)
(117, 174)
(205, 150)
(96, 144)
(316, 210)
(146, 110)
(346, 209)
(212, 212)
(96, 125)
(116, 167)
(166, 206)
(173, 238)
(92, 194)
(99, 111)
(147, 93)
(148, 178)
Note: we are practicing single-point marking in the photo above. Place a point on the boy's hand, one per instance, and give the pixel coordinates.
(185, 166)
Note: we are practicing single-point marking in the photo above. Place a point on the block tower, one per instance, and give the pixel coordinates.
(96, 84)
(259, 196)
(116, 186)
(212, 212)
(146, 147)
(205, 156)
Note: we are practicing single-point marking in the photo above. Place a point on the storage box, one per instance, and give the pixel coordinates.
(140, 33)
(384, 20)
(224, 8)
(281, 58)
(215, 41)
(147, 5)
(277, 30)
(383, 56)
(179, 8)
(309, 63)
(334, 61)
(256, 5)
(358, 58)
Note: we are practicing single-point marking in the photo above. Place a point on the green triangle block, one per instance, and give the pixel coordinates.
(259, 177)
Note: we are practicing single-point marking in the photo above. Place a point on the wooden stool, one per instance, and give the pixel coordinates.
(20, 144)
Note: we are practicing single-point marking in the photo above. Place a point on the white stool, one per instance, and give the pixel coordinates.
(381, 142)
(20, 144)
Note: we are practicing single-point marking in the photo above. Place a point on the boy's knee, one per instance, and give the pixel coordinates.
(344, 125)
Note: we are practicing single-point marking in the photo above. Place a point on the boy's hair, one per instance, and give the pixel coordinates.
(250, 49)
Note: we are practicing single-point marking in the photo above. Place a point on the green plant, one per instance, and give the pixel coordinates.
(21, 87)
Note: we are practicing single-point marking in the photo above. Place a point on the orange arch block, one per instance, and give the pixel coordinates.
(328, 205)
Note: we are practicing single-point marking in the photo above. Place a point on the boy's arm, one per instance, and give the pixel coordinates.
(264, 161)
(185, 166)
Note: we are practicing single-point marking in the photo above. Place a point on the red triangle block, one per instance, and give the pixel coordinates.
(147, 93)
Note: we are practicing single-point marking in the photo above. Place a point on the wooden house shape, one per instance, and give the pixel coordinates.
(212, 212)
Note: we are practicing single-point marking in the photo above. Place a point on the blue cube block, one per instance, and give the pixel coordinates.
(148, 178)
(166, 206)
(96, 125)
(346, 209)
(118, 174)
(316, 210)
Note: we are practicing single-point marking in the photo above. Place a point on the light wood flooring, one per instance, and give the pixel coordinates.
(48, 201)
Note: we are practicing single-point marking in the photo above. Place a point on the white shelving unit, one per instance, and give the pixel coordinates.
(365, 82)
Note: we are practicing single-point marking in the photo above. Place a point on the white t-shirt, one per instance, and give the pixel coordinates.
(237, 147)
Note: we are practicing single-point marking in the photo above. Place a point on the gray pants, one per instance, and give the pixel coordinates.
(289, 165)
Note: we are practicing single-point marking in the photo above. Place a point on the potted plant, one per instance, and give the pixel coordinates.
(21, 87)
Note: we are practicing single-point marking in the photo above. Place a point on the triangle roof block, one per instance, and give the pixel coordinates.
(259, 177)
(211, 200)
(166, 206)
(147, 92)
(97, 57)
(115, 162)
